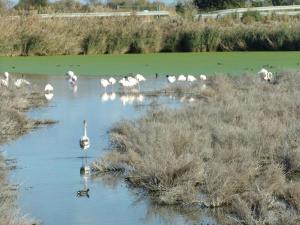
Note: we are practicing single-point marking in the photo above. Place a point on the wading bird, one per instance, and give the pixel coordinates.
(171, 79)
(181, 78)
(4, 82)
(191, 78)
(48, 88)
(21, 82)
(72, 78)
(104, 83)
(265, 75)
(203, 77)
(112, 81)
(84, 140)
(140, 78)
(49, 92)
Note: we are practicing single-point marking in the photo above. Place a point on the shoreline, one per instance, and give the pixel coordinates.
(15, 123)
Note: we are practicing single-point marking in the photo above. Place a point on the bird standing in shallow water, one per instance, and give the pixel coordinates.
(84, 145)
(171, 79)
(84, 140)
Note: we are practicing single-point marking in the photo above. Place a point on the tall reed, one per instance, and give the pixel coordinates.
(63, 36)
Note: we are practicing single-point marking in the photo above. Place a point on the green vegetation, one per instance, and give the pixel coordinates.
(31, 35)
(164, 63)
(237, 147)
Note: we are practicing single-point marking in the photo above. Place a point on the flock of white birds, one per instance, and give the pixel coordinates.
(127, 83)
(18, 83)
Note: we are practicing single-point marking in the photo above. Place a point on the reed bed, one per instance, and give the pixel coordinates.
(236, 149)
(30, 35)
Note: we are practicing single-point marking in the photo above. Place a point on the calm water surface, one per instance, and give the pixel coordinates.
(49, 160)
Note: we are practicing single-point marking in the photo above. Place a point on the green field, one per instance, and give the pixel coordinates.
(164, 63)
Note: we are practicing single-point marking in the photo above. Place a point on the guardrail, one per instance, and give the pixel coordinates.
(291, 10)
(105, 14)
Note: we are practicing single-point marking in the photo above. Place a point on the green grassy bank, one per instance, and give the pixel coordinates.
(164, 63)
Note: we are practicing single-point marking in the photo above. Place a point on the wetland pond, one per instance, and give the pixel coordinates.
(49, 160)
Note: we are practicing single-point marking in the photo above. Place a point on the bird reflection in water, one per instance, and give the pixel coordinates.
(85, 176)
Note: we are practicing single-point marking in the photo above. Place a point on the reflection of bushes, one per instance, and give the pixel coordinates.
(238, 150)
(137, 35)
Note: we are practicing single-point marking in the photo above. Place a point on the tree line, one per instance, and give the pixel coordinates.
(180, 5)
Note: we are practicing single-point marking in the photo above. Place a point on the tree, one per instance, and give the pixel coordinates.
(284, 2)
(27, 4)
(218, 4)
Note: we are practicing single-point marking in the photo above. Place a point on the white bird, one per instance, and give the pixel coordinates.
(48, 88)
(203, 77)
(125, 83)
(133, 81)
(140, 77)
(20, 82)
(270, 76)
(171, 79)
(265, 75)
(70, 74)
(84, 140)
(72, 78)
(4, 82)
(191, 78)
(181, 78)
(104, 83)
(112, 80)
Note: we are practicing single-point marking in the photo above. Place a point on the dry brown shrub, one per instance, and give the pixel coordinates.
(237, 149)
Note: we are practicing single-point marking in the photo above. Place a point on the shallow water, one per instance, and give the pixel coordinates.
(49, 160)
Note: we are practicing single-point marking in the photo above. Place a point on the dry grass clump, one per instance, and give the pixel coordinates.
(13, 103)
(238, 150)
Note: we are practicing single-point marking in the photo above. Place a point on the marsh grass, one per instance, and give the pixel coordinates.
(237, 149)
(14, 102)
(30, 35)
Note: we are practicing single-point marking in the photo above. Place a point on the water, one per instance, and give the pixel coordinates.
(49, 161)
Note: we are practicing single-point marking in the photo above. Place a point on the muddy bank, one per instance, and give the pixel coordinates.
(14, 102)
(237, 147)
